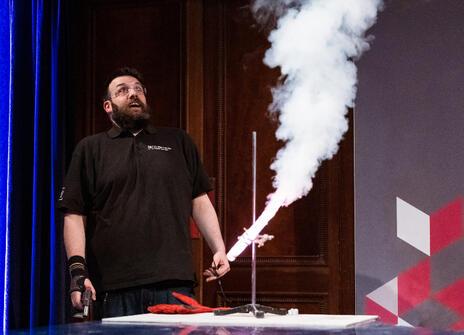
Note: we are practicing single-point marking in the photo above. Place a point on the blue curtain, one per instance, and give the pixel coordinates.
(5, 166)
(31, 250)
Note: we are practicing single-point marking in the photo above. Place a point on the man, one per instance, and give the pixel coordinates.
(142, 184)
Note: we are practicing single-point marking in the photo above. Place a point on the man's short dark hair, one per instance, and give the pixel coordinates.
(123, 71)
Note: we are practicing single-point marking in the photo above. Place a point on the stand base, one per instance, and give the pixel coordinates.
(258, 310)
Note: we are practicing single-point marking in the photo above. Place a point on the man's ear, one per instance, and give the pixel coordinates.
(107, 106)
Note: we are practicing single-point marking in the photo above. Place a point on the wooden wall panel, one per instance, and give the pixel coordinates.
(147, 35)
(150, 36)
(203, 65)
(314, 233)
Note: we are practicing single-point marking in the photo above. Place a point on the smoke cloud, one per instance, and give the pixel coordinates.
(315, 45)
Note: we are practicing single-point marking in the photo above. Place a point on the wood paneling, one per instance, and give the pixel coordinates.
(147, 35)
(312, 251)
(203, 66)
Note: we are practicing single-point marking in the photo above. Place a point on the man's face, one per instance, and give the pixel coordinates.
(127, 105)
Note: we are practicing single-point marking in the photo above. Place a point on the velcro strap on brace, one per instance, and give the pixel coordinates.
(78, 271)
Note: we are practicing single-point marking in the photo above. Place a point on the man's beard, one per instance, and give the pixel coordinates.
(127, 120)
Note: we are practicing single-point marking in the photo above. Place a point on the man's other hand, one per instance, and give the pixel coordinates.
(219, 267)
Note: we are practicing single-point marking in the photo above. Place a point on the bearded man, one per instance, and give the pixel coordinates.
(142, 184)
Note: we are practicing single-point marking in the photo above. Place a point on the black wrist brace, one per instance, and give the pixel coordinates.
(78, 272)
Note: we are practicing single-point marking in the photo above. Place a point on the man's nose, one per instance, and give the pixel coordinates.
(132, 92)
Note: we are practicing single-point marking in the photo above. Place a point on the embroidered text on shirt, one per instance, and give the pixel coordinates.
(158, 147)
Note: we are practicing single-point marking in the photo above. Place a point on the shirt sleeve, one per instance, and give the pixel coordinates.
(200, 179)
(75, 195)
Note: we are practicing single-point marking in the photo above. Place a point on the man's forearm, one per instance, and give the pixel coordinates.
(74, 243)
(74, 235)
(206, 219)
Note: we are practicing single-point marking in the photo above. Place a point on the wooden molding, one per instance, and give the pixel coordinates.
(194, 87)
(282, 261)
(314, 301)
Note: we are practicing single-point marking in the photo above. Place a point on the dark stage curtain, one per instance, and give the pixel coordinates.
(36, 293)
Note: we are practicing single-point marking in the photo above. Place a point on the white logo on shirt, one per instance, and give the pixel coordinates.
(158, 147)
(61, 193)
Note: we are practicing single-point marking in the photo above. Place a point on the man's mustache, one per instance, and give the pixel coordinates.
(137, 100)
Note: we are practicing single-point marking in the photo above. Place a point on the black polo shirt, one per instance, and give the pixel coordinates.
(140, 189)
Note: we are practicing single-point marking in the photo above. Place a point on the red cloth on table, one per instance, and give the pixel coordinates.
(190, 306)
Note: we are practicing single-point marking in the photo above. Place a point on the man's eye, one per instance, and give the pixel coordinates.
(122, 90)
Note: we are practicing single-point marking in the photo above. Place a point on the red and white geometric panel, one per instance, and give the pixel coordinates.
(431, 292)
(384, 302)
(412, 226)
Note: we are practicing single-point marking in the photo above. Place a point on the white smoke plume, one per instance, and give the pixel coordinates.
(314, 44)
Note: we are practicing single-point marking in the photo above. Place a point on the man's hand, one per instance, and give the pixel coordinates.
(77, 295)
(219, 267)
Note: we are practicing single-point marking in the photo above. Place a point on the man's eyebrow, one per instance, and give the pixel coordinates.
(124, 84)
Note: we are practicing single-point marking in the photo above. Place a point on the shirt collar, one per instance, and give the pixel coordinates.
(150, 129)
(115, 131)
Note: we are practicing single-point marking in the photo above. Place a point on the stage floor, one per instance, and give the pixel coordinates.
(230, 325)
(93, 328)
